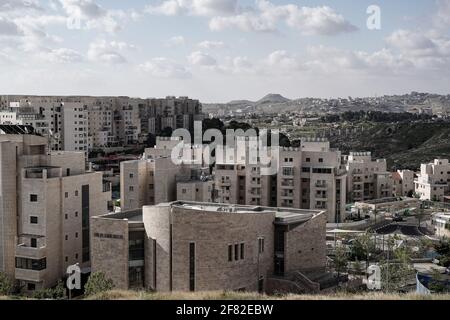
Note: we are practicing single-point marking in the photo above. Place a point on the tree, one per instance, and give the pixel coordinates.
(5, 285)
(437, 283)
(98, 283)
(340, 261)
(420, 215)
(56, 293)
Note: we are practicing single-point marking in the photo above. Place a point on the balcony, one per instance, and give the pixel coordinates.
(30, 275)
(321, 185)
(29, 252)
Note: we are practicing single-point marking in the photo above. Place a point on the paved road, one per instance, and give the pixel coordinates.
(406, 229)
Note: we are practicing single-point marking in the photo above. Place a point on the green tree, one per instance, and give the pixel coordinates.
(56, 293)
(98, 283)
(5, 285)
(340, 261)
(437, 284)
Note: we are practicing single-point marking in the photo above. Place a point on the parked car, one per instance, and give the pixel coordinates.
(397, 219)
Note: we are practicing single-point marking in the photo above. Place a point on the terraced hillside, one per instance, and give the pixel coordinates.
(404, 145)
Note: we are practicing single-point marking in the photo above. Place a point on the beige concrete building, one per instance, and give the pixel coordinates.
(403, 183)
(433, 180)
(153, 179)
(309, 177)
(367, 179)
(191, 246)
(45, 205)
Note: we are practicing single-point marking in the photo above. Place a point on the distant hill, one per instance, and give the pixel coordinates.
(273, 98)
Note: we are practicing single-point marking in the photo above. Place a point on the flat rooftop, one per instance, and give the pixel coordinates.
(385, 200)
(283, 216)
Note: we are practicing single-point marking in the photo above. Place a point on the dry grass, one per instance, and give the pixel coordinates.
(134, 295)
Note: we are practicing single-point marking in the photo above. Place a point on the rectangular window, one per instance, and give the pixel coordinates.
(192, 266)
(33, 242)
(34, 220)
(260, 245)
(230, 253)
(33, 198)
(242, 250)
(236, 252)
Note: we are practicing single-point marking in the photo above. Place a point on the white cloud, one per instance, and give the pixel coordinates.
(209, 45)
(62, 55)
(107, 52)
(91, 15)
(161, 67)
(176, 41)
(12, 5)
(9, 28)
(193, 7)
(442, 17)
(266, 17)
(281, 59)
(199, 58)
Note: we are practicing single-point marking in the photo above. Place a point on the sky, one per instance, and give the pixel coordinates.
(222, 50)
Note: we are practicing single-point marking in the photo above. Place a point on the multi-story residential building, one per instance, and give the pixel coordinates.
(319, 179)
(309, 177)
(196, 185)
(105, 121)
(192, 246)
(433, 180)
(46, 202)
(153, 179)
(367, 179)
(403, 183)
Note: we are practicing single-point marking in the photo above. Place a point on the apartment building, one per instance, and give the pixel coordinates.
(64, 124)
(153, 179)
(195, 185)
(432, 182)
(309, 177)
(403, 183)
(105, 121)
(192, 246)
(46, 201)
(367, 178)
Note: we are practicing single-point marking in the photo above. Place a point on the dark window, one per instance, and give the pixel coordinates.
(261, 245)
(230, 253)
(31, 286)
(33, 242)
(192, 266)
(236, 252)
(31, 264)
(68, 172)
(34, 220)
(320, 160)
(242, 250)
(308, 159)
(33, 198)
(85, 222)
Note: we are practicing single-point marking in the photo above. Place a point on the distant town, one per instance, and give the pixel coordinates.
(90, 190)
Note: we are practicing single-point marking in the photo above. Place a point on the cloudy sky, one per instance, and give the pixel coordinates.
(220, 50)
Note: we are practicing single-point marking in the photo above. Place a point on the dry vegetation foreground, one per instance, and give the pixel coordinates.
(133, 295)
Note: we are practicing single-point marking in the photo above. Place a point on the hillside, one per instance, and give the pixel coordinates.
(404, 145)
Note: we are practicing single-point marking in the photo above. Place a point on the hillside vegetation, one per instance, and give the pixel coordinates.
(404, 145)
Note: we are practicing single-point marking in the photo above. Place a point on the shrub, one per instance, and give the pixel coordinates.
(98, 283)
(5, 285)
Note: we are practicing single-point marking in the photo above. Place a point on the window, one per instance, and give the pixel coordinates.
(33, 198)
(34, 220)
(236, 252)
(242, 250)
(76, 214)
(230, 252)
(66, 237)
(31, 264)
(131, 188)
(33, 243)
(320, 160)
(260, 245)
(192, 266)
(66, 194)
(76, 234)
(66, 216)
(308, 159)
(31, 286)
(131, 176)
(76, 193)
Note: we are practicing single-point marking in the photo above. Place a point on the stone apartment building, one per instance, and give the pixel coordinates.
(403, 183)
(99, 121)
(367, 179)
(192, 246)
(46, 201)
(309, 177)
(433, 181)
(154, 178)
